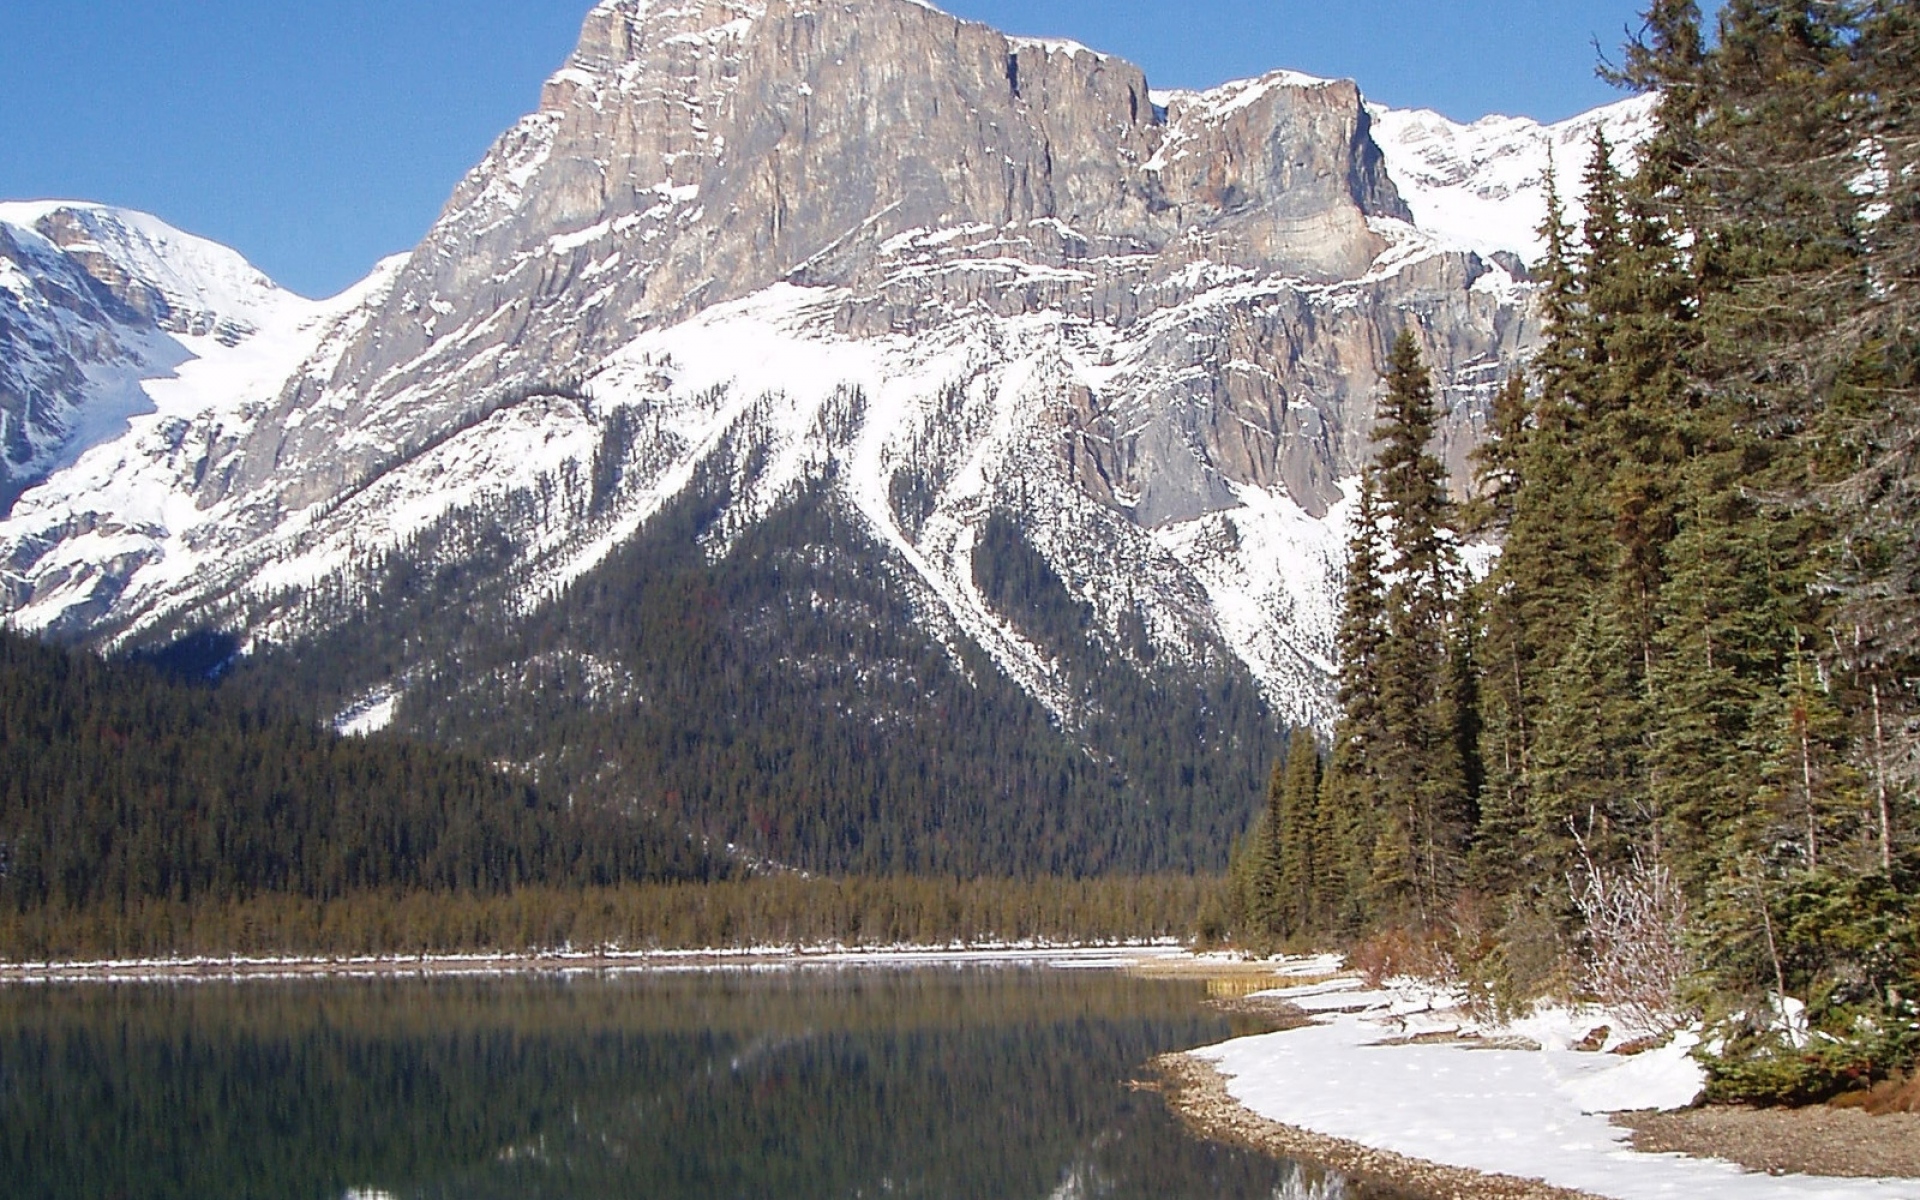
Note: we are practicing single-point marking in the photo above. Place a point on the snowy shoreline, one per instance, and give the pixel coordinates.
(1116, 956)
(1401, 1074)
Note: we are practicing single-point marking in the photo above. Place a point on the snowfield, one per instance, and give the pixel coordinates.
(1537, 1114)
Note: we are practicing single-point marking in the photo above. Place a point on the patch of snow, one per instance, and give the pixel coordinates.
(1537, 1114)
(728, 31)
(368, 716)
(1230, 98)
(923, 238)
(1063, 46)
(563, 243)
(1310, 965)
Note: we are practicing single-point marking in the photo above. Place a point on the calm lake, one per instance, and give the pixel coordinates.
(972, 1083)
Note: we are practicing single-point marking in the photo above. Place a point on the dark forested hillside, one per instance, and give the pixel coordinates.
(1667, 751)
(779, 698)
(119, 785)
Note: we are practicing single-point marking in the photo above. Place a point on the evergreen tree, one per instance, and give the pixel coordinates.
(1297, 858)
(1497, 460)
(1422, 776)
(1719, 656)
(1265, 905)
(1363, 617)
(1349, 791)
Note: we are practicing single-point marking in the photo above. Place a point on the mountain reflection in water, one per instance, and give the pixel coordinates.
(965, 1083)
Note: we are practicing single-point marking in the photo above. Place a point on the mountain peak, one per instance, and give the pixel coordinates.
(186, 284)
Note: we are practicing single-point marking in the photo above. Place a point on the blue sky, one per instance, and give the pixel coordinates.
(318, 136)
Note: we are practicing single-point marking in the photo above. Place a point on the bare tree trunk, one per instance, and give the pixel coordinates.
(1520, 714)
(1880, 783)
(1415, 839)
(1806, 781)
(1773, 947)
(1802, 719)
(1427, 841)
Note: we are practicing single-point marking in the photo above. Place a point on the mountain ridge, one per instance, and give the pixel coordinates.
(1169, 414)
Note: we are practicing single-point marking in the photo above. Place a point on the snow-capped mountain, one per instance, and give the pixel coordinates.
(96, 301)
(132, 349)
(1484, 186)
(865, 249)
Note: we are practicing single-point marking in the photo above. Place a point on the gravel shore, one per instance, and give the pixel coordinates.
(1787, 1141)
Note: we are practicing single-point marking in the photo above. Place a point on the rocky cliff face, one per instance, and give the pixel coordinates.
(924, 166)
(861, 245)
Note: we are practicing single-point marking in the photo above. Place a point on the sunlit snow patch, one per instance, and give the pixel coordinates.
(369, 715)
(1481, 1104)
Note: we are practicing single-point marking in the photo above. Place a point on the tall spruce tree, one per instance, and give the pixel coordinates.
(1259, 871)
(1349, 817)
(1724, 623)
(1524, 473)
(1499, 693)
(1298, 865)
(1423, 779)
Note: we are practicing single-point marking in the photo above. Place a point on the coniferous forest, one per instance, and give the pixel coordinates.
(141, 814)
(120, 786)
(1665, 750)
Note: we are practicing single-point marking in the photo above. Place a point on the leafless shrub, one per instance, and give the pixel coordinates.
(1397, 951)
(1637, 952)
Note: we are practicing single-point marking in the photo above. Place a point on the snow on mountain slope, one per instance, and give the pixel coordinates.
(1484, 185)
(1148, 326)
(108, 314)
(71, 357)
(201, 286)
(120, 505)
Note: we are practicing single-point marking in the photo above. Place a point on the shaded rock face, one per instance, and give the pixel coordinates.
(928, 167)
(80, 234)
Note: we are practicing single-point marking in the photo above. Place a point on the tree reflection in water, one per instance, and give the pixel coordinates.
(965, 1083)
